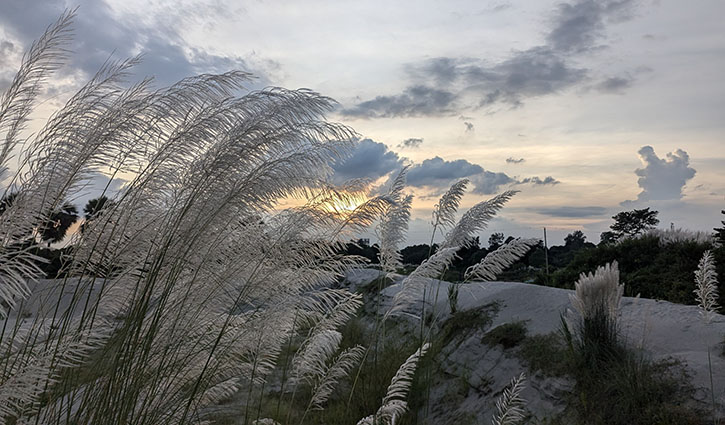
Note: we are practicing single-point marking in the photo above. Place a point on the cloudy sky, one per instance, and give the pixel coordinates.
(587, 107)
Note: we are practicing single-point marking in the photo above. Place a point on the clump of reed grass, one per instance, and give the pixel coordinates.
(596, 301)
(192, 281)
(609, 373)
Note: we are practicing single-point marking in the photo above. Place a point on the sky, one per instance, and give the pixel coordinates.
(587, 107)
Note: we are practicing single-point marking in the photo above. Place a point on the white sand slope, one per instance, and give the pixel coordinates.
(661, 328)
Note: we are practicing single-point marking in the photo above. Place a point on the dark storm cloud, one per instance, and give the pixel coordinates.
(663, 178)
(469, 83)
(534, 72)
(490, 182)
(372, 160)
(99, 35)
(418, 100)
(573, 212)
(500, 7)
(511, 160)
(579, 26)
(369, 160)
(412, 143)
(437, 172)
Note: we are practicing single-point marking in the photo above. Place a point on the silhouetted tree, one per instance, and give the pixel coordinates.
(416, 254)
(495, 241)
(607, 237)
(720, 231)
(58, 223)
(94, 207)
(631, 223)
(362, 248)
(575, 239)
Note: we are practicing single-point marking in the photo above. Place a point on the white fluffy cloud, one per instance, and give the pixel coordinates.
(663, 178)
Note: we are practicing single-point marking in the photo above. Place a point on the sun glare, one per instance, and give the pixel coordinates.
(345, 205)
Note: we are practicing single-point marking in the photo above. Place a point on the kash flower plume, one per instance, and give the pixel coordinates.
(510, 406)
(394, 404)
(706, 286)
(475, 220)
(496, 262)
(445, 210)
(598, 292)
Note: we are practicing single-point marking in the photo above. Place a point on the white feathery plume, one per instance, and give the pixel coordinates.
(17, 268)
(391, 232)
(475, 219)
(598, 292)
(345, 307)
(46, 55)
(414, 283)
(395, 191)
(678, 235)
(37, 366)
(444, 212)
(338, 369)
(510, 405)
(394, 403)
(706, 290)
(497, 261)
(310, 362)
(394, 222)
(221, 391)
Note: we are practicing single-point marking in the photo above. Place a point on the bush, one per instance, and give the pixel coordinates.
(608, 373)
(507, 335)
(648, 267)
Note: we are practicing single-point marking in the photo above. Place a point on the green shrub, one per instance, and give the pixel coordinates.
(647, 267)
(546, 353)
(507, 335)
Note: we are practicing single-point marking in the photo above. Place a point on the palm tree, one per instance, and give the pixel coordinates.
(58, 223)
(94, 207)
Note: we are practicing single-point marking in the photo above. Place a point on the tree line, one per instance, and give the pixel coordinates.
(649, 267)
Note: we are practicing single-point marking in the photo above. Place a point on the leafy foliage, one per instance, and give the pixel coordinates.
(55, 229)
(720, 231)
(647, 267)
(94, 207)
(507, 335)
(632, 223)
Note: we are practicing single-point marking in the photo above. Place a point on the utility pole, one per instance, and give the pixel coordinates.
(546, 256)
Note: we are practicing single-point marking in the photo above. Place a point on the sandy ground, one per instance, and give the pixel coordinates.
(660, 328)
